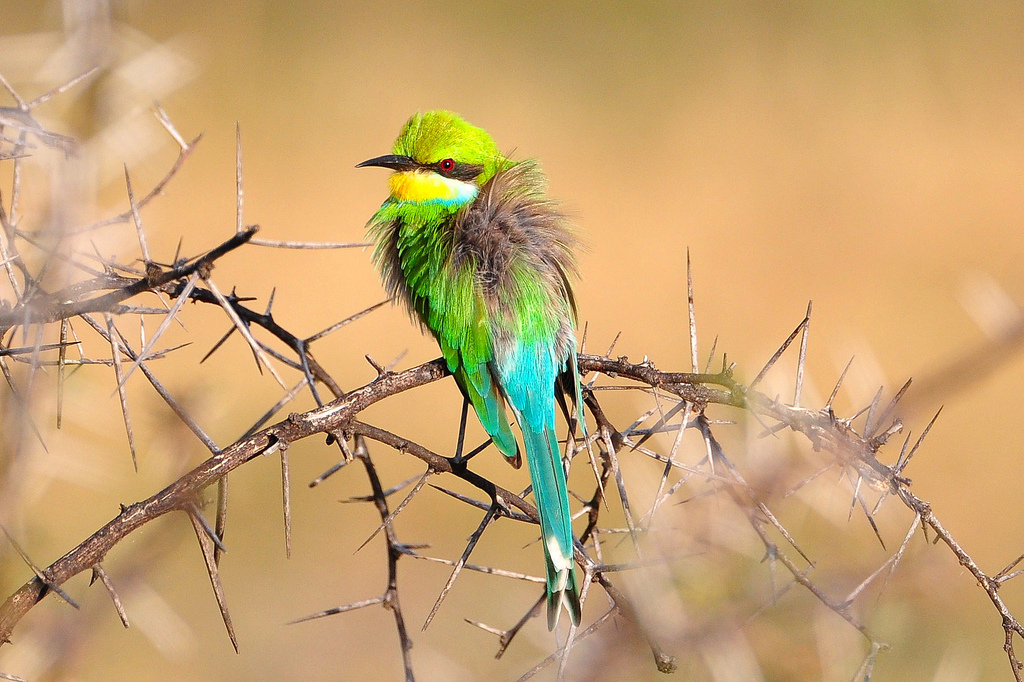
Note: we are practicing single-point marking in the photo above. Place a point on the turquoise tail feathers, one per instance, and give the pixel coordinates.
(549, 490)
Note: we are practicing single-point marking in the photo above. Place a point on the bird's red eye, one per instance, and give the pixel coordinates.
(448, 164)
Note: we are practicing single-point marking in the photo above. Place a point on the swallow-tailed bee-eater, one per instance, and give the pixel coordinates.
(469, 242)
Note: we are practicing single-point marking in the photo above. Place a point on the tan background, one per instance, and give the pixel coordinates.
(867, 156)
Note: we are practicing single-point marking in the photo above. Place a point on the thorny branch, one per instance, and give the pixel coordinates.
(339, 416)
(682, 400)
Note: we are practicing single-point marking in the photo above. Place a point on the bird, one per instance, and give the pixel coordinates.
(470, 244)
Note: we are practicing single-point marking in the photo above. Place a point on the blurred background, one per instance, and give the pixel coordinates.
(867, 156)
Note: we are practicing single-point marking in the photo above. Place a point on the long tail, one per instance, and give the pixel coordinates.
(549, 490)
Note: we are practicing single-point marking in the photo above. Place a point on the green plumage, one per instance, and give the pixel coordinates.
(469, 243)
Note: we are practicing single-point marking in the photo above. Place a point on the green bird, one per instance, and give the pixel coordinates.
(468, 241)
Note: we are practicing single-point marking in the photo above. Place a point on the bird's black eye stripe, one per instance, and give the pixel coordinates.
(456, 170)
(466, 171)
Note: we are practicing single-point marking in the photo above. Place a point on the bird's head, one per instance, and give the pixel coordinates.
(439, 159)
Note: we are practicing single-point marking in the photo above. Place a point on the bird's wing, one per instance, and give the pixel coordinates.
(468, 352)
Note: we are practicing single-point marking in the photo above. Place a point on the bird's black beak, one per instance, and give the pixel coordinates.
(392, 161)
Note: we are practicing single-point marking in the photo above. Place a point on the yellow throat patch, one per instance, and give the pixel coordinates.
(422, 186)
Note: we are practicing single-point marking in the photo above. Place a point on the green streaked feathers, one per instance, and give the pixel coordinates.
(435, 135)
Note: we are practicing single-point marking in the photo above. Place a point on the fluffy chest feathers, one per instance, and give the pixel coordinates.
(489, 274)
